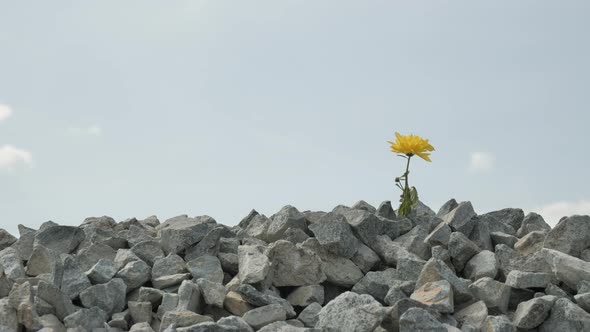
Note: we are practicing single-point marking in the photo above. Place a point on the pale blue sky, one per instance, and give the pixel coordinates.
(133, 108)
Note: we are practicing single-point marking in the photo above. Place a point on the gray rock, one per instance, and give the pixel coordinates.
(60, 239)
(11, 264)
(498, 324)
(24, 245)
(171, 264)
(74, 280)
(440, 235)
(110, 297)
(583, 300)
(52, 323)
(461, 250)
(8, 316)
(310, 315)
(446, 208)
(435, 270)
(520, 279)
(483, 264)
(141, 327)
(472, 315)
(247, 219)
(135, 274)
(182, 318)
(58, 300)
(238, 322)
(140, 312)
(386, 211)
(335, 234)
(376, 284)
(256, 228)
(532, 222)
(437, 295)
(503, 238)
(148, 251)
(365, 225)
(87, 319)
(181, 232)
(566, 316)
(6, 239)
(259, 317)
(295, 235)
(236, 304)
(532, 313)
(169, 303)
(206, 267)
(229, 263)
(420, 320)
(294, 265)
(137, 233)
(481, 235)
(103, 271)
(461, 219)
(89, 256)
(365, 258)
(213, 293)
(391, 252)
(258, 299)
(306, 295)
(172, 280)
(189, 296)
(409, 268)
(414, 240)
(495, 294)
(209, 245)
(148, 294)
(571, 235)
(339, 271)
(229, 245)
(287, 217)
(125, 256)
(254, 265)
(498, 220)
(362, 205)
(530, 243)
(421, 210)
(42, 260)
(351, 312)
(568, 269)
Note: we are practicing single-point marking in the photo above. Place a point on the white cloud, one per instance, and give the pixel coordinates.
(85, 131)
(481, 162)
(5, 112)
(555, 211)
(11, 157)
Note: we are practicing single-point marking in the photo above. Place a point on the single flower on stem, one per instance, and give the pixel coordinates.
(408, 146)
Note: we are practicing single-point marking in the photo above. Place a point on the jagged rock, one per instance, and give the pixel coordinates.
(571, 235)
(362, 205)
(295, 235)
(169, 303)
(294, 265)
(568, 269)
(60, 239)
(148, 251)
(409, 268)
(89, 256)
(391, 252)
(287, 217)
(461, 219)
(399, 290)
(481, 235)
(59, 301)
(498, 324)
(103, 271)
(418, 319)
(189, 296)
(213, 293)
(182, 318)
(24, 244)
(483, 264)
(141, 327)
(503, 238)
(386, 211)
(435, 270)
(532, 222)
(351, 312)
(437, 295)
(339, 271)
(365, 258)
(530, 243)
(461, 250)
(258, 299)
(505, 220)
(446, 208)
(365, 225)
(310, 315)
(254, 265)
(421, 210)
(74, 280)
(6, 239)
(238, 322)
(181, 232)
(440, 235)
(172, 280)
(169, 265)
(11, 264)
(306, 295)
(259, 317)
(206, 267)
(110, 296)
(140, 312)
(135, 274)
(520, 279)
(495, 294)
(42, 260)
(472, 316)
(566, 316)
(532, 313)
(414, 240)
(88, 319)
(335, 234)
(209, 245)
(236, 304)
(376, 284)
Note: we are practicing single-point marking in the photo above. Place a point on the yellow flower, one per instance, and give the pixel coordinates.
(412, 145)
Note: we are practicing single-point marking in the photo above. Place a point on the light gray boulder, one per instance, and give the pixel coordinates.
(386, 211)
(483, 264)
(60, 239)
(506, 220)
(181, 232)
(135, 274)
(213, 293)
(351, 312)
(570, 236)
(140, 312)
(259, 299)
(287, 217)
(566, 316)
(438, 295)
(435, 270)
(335, 234)
(110, 296)
(306, 295)
(260, 317)
(495, 294)
(523, 280)
(461, 250)
(11, 264)
(253, 264)
(498, 324)
(73, 280)
(103, 271)
(206, 267)
(310, 315)
(461, 219)
(472, 316)
(376, 284)
(420, 320)
(88, 319)
(532, 222)
(532, 313)
(339, 271)
(294, 265)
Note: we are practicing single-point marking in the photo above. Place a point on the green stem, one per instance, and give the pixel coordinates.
(407, 171)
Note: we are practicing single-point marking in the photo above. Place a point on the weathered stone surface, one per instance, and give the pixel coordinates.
(571, 235)
(409, 268)
(135, 274)
(73, 280)
(148, 251)
(172, 280)
(209, 245)
(472, 316)
(182, 318)
(141, 327)
(140, 312)
(351, 312)
(386, 211)
(399, 290)
(11, 264)
(189, 296)
(306, 295)
(376, 284)
(6, 239)
(498, 324)
(89, 256)
(259, 317)
(206, 267)
(180, 232)
(335, 234)
(58, 300)
(437, 295)
(495, 294)
(414, 240)
(110, 296)
(503, 238)
(60, 239)
(532, 222)
(461, 250)
(532, 313)
(481, 235)
(103, 271)
(287, 217)
(295, 235)
(435, 270)
(483, 264)
(461, 218)
(418, 319)
(520, 279)
(362, 205)
(365, 225)
(440, 235)
(339, 271)
(566, 316)
(253, 263)
(365, 258)
(235, 303)
(449, 206)
(391, 252)
(171, 264)
(310, 315)
(530, 243)
(568, 269)
(294, 265)
(505, 220)
(213, 293)
(258, 299)
(169, 303)
(88, 319)
(238, 322)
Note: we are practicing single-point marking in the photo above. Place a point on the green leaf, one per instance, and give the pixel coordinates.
(414, 197)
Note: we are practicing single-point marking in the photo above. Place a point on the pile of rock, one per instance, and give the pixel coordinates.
(356, 268)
